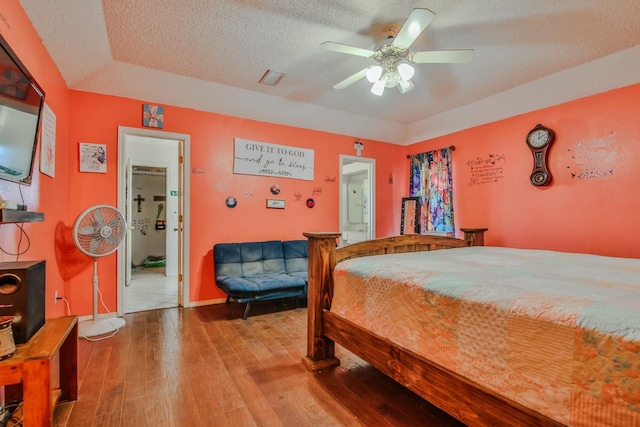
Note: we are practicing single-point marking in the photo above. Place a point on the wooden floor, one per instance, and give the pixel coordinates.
(207, 367)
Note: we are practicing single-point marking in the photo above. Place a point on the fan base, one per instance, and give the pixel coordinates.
(94, 328)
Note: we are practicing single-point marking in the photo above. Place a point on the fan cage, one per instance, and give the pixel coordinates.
(99, 230)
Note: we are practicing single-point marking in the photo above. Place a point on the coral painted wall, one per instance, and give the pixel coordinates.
(45, 194)
(591, 204)
(95, 118)
(589, 207)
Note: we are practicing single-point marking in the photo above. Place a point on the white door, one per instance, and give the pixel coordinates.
(128, 217)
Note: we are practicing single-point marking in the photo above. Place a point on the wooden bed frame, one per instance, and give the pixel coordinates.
(467, 401)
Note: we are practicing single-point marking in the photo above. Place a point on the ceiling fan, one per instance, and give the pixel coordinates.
(394, 58)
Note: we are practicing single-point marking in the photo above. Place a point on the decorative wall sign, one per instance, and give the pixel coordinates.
(275, 204)
(261, 158)
(152, 116)
(593, 159)
(93, 158)
(48, 142)
(231, 202)
(486, 170)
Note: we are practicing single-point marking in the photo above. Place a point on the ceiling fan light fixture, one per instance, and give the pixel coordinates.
(374, 73)
(378, 88)
(391, 77)
(406, 71)
(406, 86)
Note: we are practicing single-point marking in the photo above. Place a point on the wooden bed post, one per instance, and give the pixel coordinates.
(322, 253)
(475, 236)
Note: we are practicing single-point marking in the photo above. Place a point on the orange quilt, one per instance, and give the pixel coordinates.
(556, 332)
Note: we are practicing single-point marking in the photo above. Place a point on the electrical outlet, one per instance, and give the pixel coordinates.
(55, 296)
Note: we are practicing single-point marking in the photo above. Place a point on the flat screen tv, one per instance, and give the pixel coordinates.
(21, 101)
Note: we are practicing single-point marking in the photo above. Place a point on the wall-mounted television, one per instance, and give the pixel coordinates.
(21, 101)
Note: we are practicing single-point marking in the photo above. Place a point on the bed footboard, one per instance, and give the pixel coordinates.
(323, 256)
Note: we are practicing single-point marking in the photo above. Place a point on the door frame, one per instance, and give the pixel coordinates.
(372, 193)
(183, 207)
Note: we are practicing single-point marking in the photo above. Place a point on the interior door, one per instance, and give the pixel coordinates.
(130, 227)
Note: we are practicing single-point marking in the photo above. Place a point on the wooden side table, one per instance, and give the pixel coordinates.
(28, 372)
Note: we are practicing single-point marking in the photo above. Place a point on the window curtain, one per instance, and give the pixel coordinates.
(431, 183)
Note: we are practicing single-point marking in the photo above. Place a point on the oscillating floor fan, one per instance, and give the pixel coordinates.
(97, 232)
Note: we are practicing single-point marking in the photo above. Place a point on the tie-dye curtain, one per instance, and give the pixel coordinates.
(431, 183)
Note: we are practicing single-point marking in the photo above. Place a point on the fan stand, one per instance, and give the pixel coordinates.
(97, 327)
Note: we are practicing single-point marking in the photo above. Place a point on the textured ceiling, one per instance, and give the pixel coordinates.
(209, 55)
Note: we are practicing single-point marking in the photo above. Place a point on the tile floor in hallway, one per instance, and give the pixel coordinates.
(150, 289)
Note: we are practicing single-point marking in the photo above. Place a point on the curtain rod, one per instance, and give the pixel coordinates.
(451, 147)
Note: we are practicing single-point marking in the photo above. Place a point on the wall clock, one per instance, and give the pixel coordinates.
(539, 139)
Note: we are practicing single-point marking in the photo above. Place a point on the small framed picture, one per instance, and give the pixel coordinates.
(275, 204)
(93, 157)
(152, 116)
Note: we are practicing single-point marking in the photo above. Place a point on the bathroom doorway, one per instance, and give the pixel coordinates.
(357, 199)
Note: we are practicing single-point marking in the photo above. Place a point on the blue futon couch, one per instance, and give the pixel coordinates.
(255, 271)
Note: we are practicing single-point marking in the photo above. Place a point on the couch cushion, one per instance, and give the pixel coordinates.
(248, 259)
(296, 257)
(258, 284)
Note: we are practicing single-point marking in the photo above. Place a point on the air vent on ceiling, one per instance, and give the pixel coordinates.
(271, 78)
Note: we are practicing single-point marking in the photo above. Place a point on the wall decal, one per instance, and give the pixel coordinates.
(297, 196)
(486, 170)
(331, 180)
(197, 171)
(221, 186)
(317, 191)
(247, 194)
(93, 158)
(593, 159)
(152, 116)
(261, 158)
(231, 202)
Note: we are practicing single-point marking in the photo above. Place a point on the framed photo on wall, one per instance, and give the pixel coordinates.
(93, 157)
(152, 116)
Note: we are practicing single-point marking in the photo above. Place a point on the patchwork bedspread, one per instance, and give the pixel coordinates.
(557, 332)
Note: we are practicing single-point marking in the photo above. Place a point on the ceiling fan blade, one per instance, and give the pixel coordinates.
(442, 56)
(352, 79)
(343, 48)
(413, 27)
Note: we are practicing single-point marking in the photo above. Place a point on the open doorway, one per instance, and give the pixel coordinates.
(357, 199)
(152, 190)
(154, 281)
